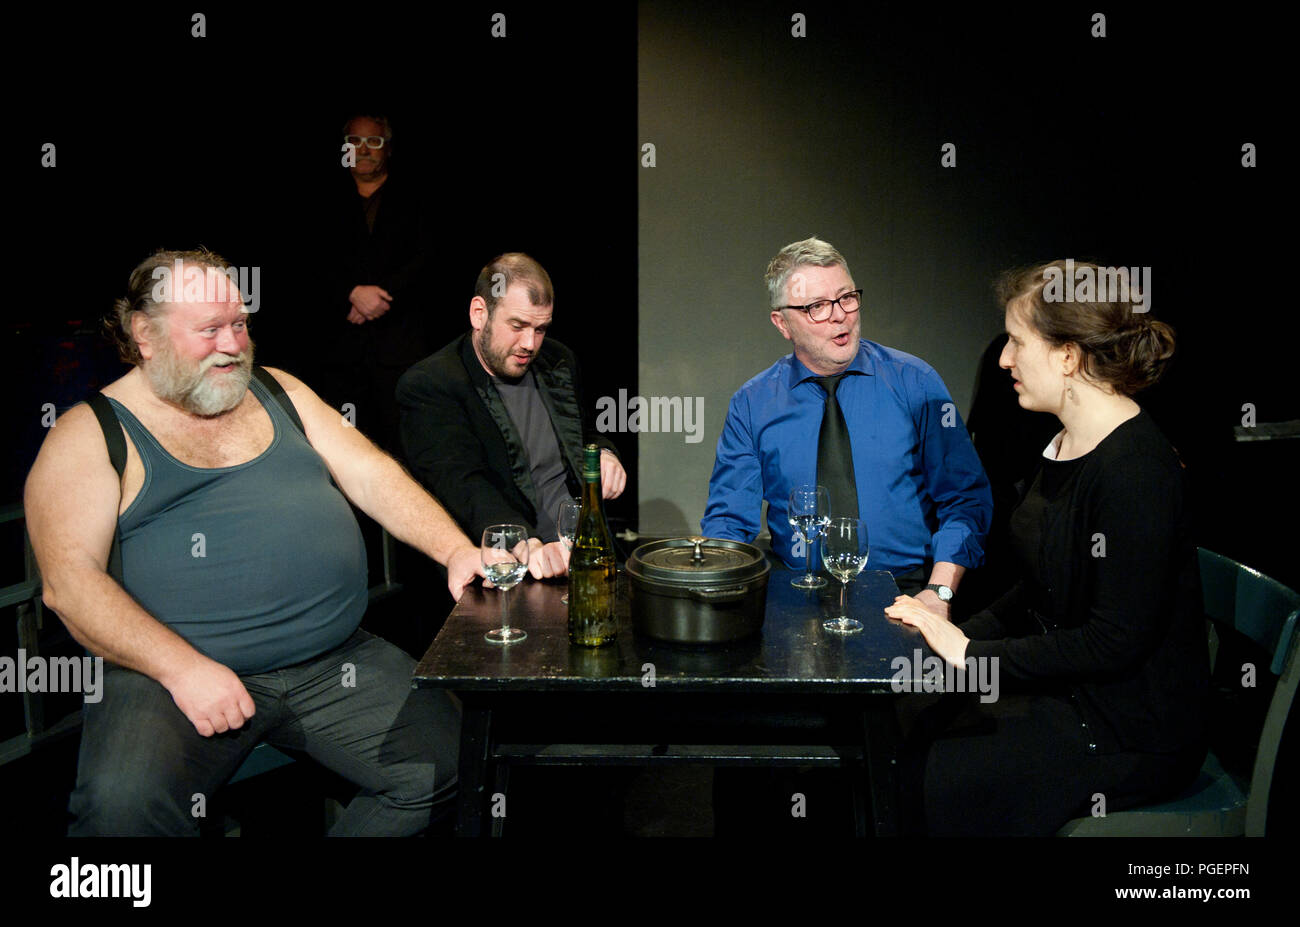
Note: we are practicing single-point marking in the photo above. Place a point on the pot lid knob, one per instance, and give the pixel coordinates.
(699, 554)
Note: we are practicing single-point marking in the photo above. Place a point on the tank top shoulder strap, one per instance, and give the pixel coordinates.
(267, 387)
(276, 392)
(140, 436)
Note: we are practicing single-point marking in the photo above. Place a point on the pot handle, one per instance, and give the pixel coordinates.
(729, 594)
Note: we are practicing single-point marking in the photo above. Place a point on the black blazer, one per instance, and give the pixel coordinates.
(462, 446)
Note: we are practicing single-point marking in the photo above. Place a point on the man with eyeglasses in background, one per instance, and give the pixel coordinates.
(369, 306)
(874, 425)
(377, 309)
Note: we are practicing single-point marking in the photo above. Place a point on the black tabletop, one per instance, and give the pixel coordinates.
(792, 653)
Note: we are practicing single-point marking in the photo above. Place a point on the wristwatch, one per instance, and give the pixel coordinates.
(944, 593)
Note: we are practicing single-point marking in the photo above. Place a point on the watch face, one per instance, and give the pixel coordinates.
(943, 592)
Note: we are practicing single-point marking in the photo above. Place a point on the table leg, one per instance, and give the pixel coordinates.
(857, 784)
(881, 750)
(475, 743)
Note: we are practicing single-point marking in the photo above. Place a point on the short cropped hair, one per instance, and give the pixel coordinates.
(514, 267)
(812, 251)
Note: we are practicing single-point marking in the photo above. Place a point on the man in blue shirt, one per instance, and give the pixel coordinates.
(920, 488)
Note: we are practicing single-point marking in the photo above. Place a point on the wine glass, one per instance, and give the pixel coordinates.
(844, 552)
(809, 512)
(505, 561)
(566, 523)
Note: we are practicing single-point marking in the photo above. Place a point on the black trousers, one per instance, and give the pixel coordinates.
(1019, 766)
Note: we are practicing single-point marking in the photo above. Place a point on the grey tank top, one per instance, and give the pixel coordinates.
(258, 566)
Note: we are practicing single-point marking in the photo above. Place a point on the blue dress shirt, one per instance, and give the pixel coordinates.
(922, 491)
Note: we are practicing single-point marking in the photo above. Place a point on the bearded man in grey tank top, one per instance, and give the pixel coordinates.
(230, 614)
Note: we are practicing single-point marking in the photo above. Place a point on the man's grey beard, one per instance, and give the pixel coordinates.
(192, 389)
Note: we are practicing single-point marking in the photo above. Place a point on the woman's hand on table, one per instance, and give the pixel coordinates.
(944, 637)
(930, 599)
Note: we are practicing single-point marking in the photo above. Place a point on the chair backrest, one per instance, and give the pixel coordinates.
(1267, 612)
(1254, 604)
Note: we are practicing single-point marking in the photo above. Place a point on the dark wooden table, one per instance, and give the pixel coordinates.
(794, 695)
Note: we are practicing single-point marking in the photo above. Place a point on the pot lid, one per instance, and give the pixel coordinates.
(697, 560)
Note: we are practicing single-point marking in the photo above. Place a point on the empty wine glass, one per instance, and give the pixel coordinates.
(844, 552)
(505, 561)
(809, 512)
(566, 523)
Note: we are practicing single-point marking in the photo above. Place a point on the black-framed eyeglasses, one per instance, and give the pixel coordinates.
(822, 309)
(371, 141)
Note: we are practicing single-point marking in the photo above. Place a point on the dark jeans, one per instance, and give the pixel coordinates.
(143, 766)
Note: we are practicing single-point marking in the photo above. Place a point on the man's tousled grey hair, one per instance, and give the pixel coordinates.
(812, 251)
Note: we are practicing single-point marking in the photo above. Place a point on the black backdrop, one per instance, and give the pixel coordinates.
(232, 141)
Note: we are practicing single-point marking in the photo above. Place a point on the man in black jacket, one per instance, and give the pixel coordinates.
(494, 423)
(376, 308)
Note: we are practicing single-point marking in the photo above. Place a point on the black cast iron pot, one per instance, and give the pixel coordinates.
(697, 590)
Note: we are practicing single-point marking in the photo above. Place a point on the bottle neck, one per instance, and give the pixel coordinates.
(591, 469)
(591, 492)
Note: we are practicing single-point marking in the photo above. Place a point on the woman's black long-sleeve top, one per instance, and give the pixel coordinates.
(1108, 611)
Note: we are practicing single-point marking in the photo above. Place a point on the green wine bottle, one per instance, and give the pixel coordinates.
(591, 565)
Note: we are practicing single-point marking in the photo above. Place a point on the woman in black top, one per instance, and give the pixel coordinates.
(1100, 650)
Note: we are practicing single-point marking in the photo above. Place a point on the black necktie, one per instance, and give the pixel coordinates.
(835, 454)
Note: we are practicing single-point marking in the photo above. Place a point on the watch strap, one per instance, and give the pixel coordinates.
(939, 589)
